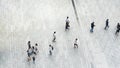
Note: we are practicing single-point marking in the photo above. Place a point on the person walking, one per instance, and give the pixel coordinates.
(75, 43)
(67, 23)
(107, 24)
(92, 26)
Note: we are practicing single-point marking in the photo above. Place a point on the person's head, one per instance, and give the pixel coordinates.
(76, 39)
(28, 41)
(36, 44)
(67, 17)
(32, 47)
(118, 23)
(50, 45)
(54, 32)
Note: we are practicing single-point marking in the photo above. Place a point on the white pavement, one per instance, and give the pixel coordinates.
(36, 20)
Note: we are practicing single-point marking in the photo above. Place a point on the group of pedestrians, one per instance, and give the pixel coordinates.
(106, 26)
(67, 27)
(51, 48)
(32, 51)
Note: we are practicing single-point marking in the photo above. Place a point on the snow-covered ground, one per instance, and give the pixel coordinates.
(36, 20)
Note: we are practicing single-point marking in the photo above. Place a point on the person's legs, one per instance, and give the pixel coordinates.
(29, 58)
(75, 46)
(33, 59)
(91, 30)
(105, 27)
(54, 39)
(50, 52)
(117, 31)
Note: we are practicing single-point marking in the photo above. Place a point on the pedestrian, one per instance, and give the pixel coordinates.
(50, 49)
(29, 53)
(118, 29)
(118, 26)
(29, 45)
(75, 43)
(92, 26)
(107, 24)
(67, 23)
(33, 54)
(36, 48)
(54, 36)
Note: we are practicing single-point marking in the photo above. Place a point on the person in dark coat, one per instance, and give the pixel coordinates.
(29, 45)
(92, 26)
(67, 23)
(118, 29)
(107, 24)
(117, 25)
